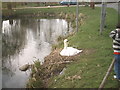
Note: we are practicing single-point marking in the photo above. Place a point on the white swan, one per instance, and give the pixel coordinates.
(69, 51)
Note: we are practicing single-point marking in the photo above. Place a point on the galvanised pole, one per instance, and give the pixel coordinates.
(77, 16)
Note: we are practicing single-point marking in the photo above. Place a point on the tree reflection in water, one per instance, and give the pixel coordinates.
(23, 41)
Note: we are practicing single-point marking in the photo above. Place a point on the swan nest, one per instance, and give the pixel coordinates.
(55, 63)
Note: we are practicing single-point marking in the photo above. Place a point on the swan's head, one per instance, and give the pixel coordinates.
(65, 43)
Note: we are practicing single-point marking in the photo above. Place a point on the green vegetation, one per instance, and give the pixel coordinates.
(97, 55)
(35, 80)
(27, 4)
(97, 49)
(43, 12)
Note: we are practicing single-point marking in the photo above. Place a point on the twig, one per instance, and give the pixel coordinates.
(106, 76)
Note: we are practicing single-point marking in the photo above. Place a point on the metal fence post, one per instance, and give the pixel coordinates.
(77, 16)
(103, 15)
(119, 12)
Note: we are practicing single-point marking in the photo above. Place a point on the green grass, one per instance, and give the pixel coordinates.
(94, 64)
(97, 49)
(28, 4)
(35, 80)
(42, 12)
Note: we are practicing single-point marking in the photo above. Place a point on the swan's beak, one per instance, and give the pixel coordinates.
(67, 41)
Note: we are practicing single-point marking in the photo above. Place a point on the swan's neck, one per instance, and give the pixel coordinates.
(65, 45)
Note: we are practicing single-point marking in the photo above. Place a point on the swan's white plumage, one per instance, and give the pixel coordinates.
(69, 51)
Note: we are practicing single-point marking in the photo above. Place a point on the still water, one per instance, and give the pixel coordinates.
(27, 40)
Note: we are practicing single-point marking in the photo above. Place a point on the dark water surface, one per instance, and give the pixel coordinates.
(27, 40)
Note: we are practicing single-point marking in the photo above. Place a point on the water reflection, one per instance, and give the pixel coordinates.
(24, 41)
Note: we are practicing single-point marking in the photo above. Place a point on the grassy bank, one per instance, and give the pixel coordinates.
(32, 12)
(37, 12)
(97, 55)
(92, 65)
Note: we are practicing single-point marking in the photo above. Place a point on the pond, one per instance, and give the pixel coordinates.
(27, 40)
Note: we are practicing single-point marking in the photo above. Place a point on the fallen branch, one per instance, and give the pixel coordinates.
(106, 76)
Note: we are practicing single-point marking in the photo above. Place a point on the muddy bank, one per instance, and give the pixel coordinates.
(53, 65)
